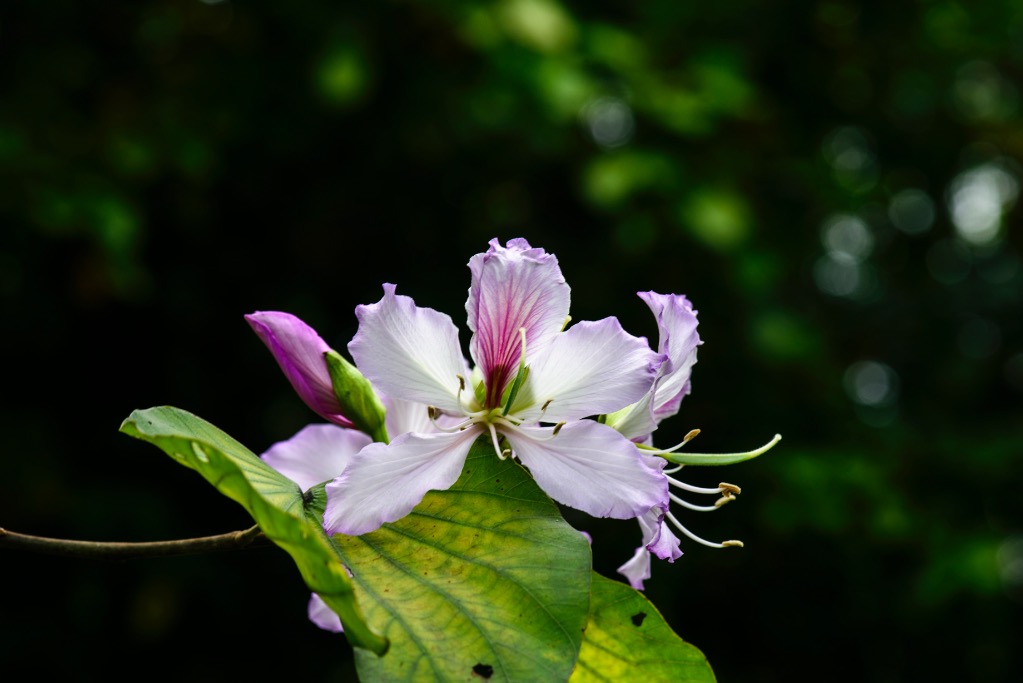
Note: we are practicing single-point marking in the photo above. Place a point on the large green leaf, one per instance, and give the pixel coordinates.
(273, 500)
(627, 639)
(483, 580)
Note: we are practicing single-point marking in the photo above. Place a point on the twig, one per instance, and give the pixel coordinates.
(236, 540)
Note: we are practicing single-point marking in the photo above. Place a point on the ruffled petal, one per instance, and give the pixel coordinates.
(384, 482)
(590, 369)
(676, 321)
(663, 543)
(637, 569)
(590, 467)
(514, 287)
(323, 616)
(299, 351)
(409, 352)
(316, 454)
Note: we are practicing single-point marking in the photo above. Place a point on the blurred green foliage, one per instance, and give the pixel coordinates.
(831, 182)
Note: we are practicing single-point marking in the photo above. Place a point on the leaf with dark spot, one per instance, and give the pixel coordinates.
(615, 651)
(483, 670)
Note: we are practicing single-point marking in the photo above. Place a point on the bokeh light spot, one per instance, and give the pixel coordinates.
(911, 211)
(977, 199)
(870, 383)
(609, 121)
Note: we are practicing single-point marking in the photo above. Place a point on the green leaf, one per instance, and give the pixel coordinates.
(627, 639)
(485, 578)
(273, 500)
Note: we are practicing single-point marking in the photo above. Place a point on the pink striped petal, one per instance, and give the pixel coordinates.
(514, 287)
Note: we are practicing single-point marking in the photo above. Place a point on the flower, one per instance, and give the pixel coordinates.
(533, 385)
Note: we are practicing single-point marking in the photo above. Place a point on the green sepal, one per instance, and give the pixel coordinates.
(627, 640)
(359, 403)
(274, 501)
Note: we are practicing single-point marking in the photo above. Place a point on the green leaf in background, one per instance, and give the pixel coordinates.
(483, 581)
(627, 640)
(273, 500)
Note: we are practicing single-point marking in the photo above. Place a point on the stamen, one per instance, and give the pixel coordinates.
(693, 489)
(701, 541)
(501, 454)
(568, 319)
(673, 470)
(557, 428)
(727, 498)
(686, 504)
(692, 434)
(729, 488)
(544, 409)
(461, 388)
(508, 420)
(433, 413)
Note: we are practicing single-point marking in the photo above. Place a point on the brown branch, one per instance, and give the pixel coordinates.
(236, 540)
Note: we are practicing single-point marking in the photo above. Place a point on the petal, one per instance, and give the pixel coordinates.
(590, 467)
(637, 569)
(316, 454)
(409, 352)
(676, 321)
(664, 544)
(299, 351)
(513, 288)
(323, 616)
(590, 369)
(384, 482)
(407, 416)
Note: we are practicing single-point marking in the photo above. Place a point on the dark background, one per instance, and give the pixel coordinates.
(831, 183)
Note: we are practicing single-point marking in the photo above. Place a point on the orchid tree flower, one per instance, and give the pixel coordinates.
(678, 342)
(533, 385)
